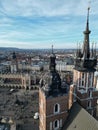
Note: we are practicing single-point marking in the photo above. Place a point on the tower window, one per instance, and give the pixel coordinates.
(56, 124)
(89, 103)
(56, 108)
(82, 82)
(92, 113)
(82, 75)
(90, 94)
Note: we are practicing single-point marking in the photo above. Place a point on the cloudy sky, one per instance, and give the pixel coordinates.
(41, 23)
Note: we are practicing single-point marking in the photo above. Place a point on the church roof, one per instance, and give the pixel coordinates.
(80, 119)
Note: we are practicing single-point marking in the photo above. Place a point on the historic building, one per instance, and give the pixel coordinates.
(14, 65)
(53, 99)
(85, 62)
(61, 108)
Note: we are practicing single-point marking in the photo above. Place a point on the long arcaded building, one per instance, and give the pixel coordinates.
(15, 81)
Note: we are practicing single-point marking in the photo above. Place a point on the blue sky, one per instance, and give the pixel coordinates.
(41, 23)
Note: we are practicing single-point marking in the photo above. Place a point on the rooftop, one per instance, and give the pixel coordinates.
(80, 119)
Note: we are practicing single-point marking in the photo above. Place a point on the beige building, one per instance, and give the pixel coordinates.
(15, 80)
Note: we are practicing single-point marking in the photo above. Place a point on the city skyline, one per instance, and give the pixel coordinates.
(32, 24)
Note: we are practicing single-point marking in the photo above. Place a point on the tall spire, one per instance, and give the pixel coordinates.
(87, 26)
(86, 60)
(86, 48)
(52, 65)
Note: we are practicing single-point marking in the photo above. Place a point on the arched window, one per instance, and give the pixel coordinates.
(90, 94)
(56, 124)
(82, 75)
(89, 104)
(56, 108)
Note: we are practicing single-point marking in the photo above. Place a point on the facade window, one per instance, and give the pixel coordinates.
(82, 75)
(56, 108)
(82, 80)
(89, 104)
(92, 113)
(56, 124)
(82, 83)
(90, 94)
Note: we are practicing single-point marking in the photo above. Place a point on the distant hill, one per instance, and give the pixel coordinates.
(8, 49)
(16, 49)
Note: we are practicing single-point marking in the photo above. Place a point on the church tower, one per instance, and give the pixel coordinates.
(53, 99)
(14, 65)
(85, 63)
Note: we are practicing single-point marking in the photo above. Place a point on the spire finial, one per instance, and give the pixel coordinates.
(88, 10)
(87, 26)
(86, 49)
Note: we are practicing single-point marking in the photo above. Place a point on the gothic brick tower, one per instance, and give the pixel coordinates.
(85, 63)
(53, 99)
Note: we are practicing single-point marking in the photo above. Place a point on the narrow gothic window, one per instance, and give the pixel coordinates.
(90, 94)
(92, 113)
(89, 103)
(83, 75)
(56, 124)
(82, 83)
(56, 108)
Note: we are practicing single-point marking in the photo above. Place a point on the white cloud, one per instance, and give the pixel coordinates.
(46, 7)
(35, 45)
(33, 22)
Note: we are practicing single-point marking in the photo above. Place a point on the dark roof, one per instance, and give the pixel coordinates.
(28, 126)
(80, 119)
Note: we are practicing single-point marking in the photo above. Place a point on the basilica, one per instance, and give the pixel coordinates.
(73, 107)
